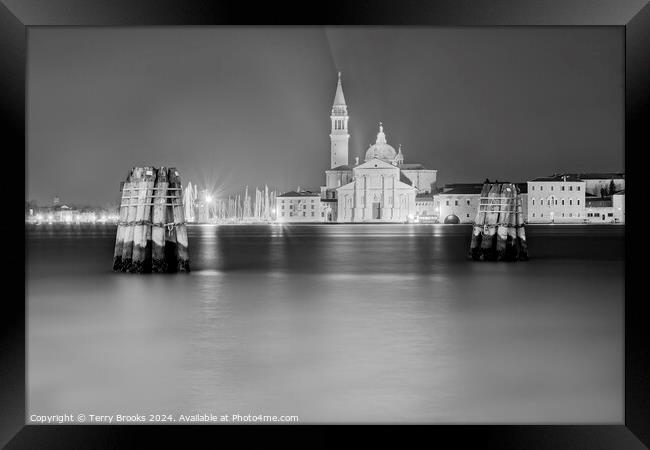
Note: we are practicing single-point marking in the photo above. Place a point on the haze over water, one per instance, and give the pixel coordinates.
(333, 323)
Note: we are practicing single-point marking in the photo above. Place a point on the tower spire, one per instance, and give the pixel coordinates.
(339, 135)
(339, 98)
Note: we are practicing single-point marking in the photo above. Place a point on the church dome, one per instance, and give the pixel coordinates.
(380, 149)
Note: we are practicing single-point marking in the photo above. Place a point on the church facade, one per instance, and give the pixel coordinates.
(383, 188)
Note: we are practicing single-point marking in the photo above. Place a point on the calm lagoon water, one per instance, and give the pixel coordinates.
(333, 323)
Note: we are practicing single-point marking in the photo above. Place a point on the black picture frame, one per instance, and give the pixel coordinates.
(17, 16)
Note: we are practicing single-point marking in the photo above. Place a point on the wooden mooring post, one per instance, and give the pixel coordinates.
(132, 209)
(142, 227)
(477, 229)
(498, 233)
(125, 189)
(151, 234)
(158, 260)
(488, 241)
(522, 246)
(178, 215)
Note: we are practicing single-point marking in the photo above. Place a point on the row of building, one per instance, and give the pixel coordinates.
(66, 214)
(565, 198)
(384, 188)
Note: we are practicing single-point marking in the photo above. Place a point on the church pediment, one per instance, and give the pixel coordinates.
(375, 163)
(398, 186)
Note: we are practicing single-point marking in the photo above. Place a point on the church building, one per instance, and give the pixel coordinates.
(381, 189)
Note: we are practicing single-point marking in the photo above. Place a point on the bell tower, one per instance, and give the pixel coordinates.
(339, 135)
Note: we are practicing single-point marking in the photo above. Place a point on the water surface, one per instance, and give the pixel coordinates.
(333, 323)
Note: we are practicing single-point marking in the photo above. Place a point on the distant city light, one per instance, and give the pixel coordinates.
(208, 198)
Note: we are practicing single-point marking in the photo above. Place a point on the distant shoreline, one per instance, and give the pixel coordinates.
(312, 224)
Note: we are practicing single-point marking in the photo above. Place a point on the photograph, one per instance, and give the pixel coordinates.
(325, 225)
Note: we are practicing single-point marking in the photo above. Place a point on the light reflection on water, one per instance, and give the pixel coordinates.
(331, 323)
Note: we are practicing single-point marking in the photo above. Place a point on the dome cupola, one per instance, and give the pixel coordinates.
(381, 149)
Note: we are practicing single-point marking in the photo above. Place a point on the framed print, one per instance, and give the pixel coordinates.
(375, 213)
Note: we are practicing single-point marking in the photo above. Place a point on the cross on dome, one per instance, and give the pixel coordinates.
(381, 137)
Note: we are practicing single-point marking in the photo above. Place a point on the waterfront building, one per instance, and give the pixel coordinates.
(605, 209)
(458, 203)
(300, 206)
(87, 217)
(425, 208)
(602, 183)
(577, 198)
(377, 194)
(557, 199)
(64, 213)
(382, 188)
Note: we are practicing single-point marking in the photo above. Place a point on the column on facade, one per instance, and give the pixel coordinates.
(383, 197)
(392, 210)
(353, 216)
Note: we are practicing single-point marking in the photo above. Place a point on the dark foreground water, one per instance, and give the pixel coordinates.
(333, 323)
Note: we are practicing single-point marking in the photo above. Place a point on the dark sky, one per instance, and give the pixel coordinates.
(231, 107)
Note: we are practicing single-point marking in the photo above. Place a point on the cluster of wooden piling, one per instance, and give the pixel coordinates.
(498, 233)
(151, 233)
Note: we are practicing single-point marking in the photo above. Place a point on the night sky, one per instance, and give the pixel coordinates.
(231, 107)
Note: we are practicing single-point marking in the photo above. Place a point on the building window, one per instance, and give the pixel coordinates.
(596, 214)
(467, 202)
(578, 187)
(570, 215)
(556, 201)
(578, 202)
(532, 188)
(570, 202)
(533, 214)
(533, 202)
(467, 215)
(541, 187)
(455, 202)
(312, 213)
(570, 188)
(562, 202)
(551, 187)
(542, 214)
(282, 214)
(447, 202)
(312, 206)
(562, 188)
(610, 214)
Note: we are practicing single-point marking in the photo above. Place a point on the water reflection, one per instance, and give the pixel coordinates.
(332, 323)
